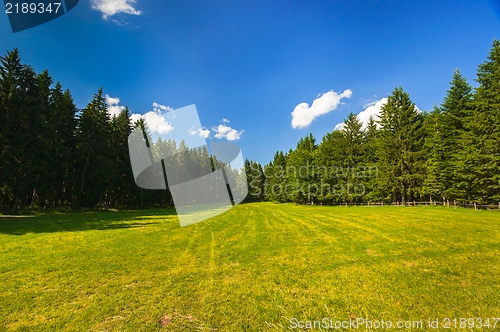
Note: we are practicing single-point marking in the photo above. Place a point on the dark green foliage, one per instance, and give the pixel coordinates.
(255, 181)
(54, 155)
(275, 177)
(484, 130)
(300, 184)
(449, 154)
(401, 138)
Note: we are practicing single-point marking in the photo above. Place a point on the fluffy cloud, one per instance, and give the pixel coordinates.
(223, 131)
(159, 107)
(113, 108)
(112, 7)
(303, 115)
(373, 110)
(203, 132)
(135, 117)
(155, 121)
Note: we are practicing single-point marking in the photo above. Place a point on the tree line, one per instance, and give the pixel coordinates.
(451, 153)
(54, 155)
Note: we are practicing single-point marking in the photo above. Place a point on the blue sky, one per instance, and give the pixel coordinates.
(253, 63)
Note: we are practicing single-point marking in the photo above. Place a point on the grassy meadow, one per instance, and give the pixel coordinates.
(252, 268)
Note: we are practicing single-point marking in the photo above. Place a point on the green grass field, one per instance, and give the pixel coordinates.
(252, 268)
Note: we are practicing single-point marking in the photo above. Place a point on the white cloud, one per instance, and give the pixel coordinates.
(372, 109)
(303, 115)
(159, 107)
(112, 7)
(135, 117)
(157, 123)
(203, 132)
(226, 120)
(112, 101)
(154, 119)
(223, 131)
(113, 108)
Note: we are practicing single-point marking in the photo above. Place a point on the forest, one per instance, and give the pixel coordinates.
(451, 153)
(56, 156)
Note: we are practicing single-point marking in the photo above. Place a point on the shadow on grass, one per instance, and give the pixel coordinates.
(84, 221)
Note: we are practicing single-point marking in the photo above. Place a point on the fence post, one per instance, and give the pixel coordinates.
(382, 203)
(448, 202)
(475, 206)
(455, 203)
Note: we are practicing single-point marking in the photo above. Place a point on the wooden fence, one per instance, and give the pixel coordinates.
(448, 204)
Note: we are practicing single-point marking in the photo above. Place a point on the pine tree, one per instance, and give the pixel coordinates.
(435, 155)
(15, 153)
(301, 177)
(486, 129)
(354, 150)
(401, 138)
(455, 114)
(255, 181)
(275, 178)
(371, 159)
(122, 177)
(328, 158)
(95, 164)
(63, 124)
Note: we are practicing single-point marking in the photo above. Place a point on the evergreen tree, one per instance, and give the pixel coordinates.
(486, 129)
(301, 185)
(371, 160)
(275, 178)
(255, 181)
(63, 124)
(455, 113)
(354, 150)
(95, 163)
(15, 172)
(401, 138)
(435, 156)
(328, 159)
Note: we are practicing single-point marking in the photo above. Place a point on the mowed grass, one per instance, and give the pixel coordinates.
(252, 268)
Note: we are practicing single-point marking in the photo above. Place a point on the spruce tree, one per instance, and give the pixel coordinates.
(301, 185)
(453, 118)
(354, 150)
(486, 129)
(95, 163)
(401, 138)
